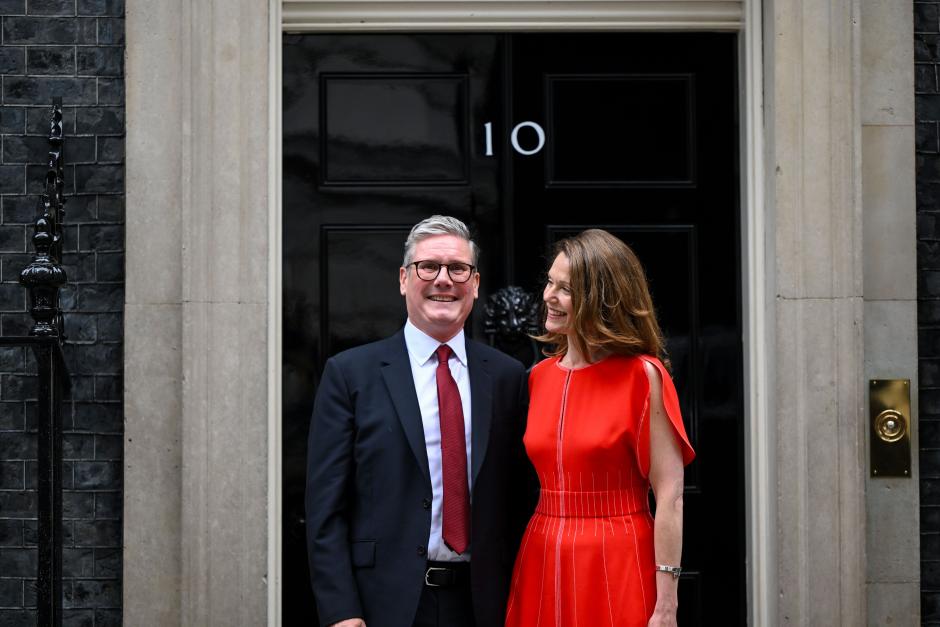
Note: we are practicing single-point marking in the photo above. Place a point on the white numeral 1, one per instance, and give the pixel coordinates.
(489, 138)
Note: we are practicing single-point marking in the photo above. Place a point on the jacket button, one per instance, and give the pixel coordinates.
(426, 503)
(422, 551)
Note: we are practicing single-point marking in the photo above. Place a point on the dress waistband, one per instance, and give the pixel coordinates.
(591, 504)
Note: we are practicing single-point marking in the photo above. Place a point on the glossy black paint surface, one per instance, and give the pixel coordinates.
(381, 131)
(665, 181)
(610, 130)
(377, 136)
(406, 129)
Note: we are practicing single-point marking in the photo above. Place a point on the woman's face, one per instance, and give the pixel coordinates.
(557, 296)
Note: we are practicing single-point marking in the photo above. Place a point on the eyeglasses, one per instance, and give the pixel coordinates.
(458, 271)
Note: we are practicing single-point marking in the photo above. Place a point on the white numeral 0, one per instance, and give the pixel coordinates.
(514, 138)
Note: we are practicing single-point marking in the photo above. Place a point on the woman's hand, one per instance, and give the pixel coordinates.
(663, 617)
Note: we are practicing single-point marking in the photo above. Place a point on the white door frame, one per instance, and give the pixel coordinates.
(757, 275)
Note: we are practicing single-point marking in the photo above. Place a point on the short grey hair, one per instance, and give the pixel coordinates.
(438, 225)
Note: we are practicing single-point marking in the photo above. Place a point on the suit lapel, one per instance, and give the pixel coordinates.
(481, 407)
(396, 371)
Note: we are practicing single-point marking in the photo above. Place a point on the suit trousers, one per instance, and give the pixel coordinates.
(445, 606)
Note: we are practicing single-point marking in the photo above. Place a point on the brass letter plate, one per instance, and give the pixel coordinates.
(890, 411)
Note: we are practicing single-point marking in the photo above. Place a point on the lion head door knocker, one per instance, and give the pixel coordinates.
(511, 317)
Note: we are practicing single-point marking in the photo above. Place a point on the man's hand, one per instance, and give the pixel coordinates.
(350, 622)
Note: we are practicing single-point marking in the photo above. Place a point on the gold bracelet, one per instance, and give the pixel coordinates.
(675, 571)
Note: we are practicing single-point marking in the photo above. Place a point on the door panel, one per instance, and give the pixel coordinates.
(422, 138)
(644, 118)
(354, 308)
(642, 141)
(376, 137)
(639, 137)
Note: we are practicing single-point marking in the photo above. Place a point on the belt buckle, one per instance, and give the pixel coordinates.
(428, 572)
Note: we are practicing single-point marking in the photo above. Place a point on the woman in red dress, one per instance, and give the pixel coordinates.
(603, 428)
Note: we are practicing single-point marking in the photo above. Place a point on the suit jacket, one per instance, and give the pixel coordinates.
(368, 495)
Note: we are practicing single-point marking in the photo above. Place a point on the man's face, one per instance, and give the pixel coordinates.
(439, 307)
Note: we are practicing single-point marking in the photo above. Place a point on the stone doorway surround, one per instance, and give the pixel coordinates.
(827, 175)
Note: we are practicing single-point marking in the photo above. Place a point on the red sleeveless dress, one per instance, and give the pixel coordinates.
(587, 556)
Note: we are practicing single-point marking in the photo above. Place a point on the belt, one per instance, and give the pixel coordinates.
(445, 574)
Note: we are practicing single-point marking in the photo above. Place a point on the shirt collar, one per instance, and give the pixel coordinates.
(422, 346)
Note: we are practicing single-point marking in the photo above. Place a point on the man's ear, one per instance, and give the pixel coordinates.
(402, 277)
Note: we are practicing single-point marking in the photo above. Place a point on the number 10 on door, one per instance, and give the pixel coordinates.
(514, 138)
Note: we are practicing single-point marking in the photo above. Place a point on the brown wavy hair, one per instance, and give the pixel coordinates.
(611, 302)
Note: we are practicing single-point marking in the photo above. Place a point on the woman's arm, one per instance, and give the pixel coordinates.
(666, 478)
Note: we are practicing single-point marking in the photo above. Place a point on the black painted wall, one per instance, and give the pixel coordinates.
(73, 49)
(927, 112)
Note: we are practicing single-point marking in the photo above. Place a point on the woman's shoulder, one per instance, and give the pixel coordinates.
(629, 363)
(642, 361)
(638, 369)
(549, 364)
(654, 368)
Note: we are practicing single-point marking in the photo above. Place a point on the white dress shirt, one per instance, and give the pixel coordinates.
(421, 352)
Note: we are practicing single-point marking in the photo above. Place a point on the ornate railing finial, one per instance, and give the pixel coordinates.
(44, 276)
(55, 178)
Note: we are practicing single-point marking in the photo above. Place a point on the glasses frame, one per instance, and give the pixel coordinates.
(473, 269)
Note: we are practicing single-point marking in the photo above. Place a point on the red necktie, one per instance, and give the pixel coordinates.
(453, 457)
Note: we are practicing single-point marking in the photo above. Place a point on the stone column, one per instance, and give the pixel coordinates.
(195, 524)
(813, 132)
(890, 244)
(153, 317)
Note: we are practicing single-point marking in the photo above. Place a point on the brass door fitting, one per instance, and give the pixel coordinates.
(890, 418)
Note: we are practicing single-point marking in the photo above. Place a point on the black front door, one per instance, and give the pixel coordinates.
(527, 138)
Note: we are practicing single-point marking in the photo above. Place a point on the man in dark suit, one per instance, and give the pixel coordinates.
(418, 488)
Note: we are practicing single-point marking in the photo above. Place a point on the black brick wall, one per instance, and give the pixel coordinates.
(73, 49)
(926, 62)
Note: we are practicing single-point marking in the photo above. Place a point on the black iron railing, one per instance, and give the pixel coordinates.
(43, 278)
